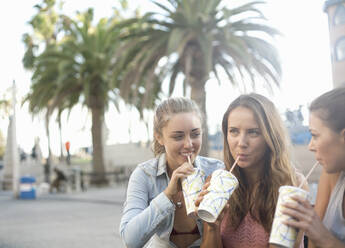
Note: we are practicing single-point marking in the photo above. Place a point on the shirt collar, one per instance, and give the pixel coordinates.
(162, 165)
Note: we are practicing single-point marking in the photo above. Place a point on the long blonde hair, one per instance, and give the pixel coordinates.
(163, 114)
(277, 171)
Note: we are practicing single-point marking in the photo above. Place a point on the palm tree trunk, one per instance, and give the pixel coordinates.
(98, 159)
(61, 144)
(198, 94)
(196, 77)
(49, 159)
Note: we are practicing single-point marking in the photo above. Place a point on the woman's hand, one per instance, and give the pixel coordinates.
(201, 195)
(174, 185)
(306, 219)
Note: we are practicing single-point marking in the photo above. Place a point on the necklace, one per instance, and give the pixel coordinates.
(179, 200)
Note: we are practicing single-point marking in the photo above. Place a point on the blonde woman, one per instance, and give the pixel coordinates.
(154, 212)
(252, 130)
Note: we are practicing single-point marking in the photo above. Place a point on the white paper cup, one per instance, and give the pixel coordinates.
(222, 185)
(191, 187)
(282, 234)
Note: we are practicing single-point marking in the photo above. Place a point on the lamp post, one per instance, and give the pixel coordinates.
(11, 159)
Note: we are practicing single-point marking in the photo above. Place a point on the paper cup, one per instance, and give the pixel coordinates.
(191, 187)
(222, 185)
(282, 234)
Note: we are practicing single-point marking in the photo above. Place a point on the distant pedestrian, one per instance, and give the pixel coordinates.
(60, 177)
(46, 170)
(33, 152)
(68, 158)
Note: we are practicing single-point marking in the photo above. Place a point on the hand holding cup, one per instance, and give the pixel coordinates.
(178, 174)
(199, 199)
(222, 185)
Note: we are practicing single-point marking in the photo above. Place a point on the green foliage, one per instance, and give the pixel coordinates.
(197, 38)
(200, 37)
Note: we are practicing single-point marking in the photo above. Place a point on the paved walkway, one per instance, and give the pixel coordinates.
(74, 220)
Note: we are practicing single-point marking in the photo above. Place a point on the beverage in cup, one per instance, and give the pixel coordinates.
(282, 234)
(191, 187)
(222, 185)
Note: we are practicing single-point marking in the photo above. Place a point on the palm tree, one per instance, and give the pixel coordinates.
(196, 38)
(45, 28)
(84, 60)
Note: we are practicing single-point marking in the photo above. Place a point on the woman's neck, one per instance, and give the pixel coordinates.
(253, 174)
(169, 171)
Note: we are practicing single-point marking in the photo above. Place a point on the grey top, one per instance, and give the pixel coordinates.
(334, 219)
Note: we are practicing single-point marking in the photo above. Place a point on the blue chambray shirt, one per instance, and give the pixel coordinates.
(148, 214)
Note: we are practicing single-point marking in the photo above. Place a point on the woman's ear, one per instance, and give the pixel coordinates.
(159, 138)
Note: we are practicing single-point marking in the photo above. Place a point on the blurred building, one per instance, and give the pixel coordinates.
(336, 23)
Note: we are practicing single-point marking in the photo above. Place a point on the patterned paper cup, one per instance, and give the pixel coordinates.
(282, 234)
(222, 185)
(191, 187)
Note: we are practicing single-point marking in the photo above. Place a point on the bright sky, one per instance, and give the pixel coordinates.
(303, 48)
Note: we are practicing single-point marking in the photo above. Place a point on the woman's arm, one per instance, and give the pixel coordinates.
(211, 236)
(140, 220)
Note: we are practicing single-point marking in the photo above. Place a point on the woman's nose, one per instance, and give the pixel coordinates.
(188, 142)
(242, 140)
(311, 145)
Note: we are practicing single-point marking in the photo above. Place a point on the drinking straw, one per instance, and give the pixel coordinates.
(233, 166)
(189, 160)
(309, 173)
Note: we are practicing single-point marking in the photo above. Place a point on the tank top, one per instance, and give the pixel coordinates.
(334, 219)
(249, 233)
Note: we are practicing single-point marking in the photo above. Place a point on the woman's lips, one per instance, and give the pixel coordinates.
(186, 154)
(243, 157)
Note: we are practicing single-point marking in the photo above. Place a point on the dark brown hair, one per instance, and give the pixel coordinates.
(277, 171)
(330, 107)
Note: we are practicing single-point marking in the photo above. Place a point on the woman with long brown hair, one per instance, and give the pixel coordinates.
(254, 132)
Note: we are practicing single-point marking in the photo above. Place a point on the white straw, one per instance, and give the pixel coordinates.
(233, 166)
(189, 160)
(309, 173)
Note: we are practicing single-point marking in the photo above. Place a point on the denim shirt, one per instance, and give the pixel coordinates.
(148, 214)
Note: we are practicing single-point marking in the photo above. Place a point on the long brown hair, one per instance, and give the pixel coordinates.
(277, 170)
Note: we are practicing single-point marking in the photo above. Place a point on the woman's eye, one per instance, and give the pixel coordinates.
(233, 131)
(195, 135)
(255, 132)
(313, 135)
(178, 137)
